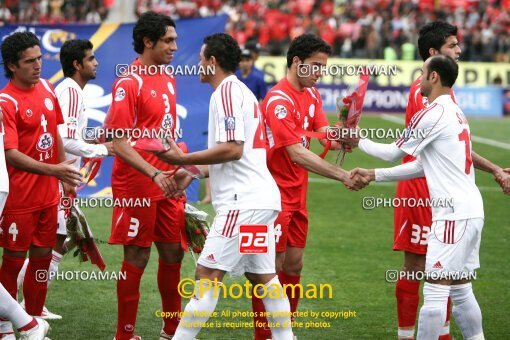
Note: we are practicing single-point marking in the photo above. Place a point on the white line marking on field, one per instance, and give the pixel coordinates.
(385, 184)
(478, 139)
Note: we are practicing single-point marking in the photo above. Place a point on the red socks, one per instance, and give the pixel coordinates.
(291, 280)
(35, 285)
(11, 266)
(128, 295)
(408, 298)
(262, 331)
(169, 275)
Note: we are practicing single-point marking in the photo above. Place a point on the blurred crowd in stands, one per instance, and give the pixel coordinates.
(382, 29)
(53, 11)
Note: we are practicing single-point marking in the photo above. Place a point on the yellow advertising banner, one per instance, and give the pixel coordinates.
(390, 73)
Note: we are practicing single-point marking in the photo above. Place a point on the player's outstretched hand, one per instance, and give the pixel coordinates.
(503, 179)
(349, 137)
(172, 155)
(68, 189)
(66, 173)
(362, 176)
(167, 184)
(182, 180)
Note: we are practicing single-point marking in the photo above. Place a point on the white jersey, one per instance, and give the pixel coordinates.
(441, 138)
(234, 115)
(72, 104)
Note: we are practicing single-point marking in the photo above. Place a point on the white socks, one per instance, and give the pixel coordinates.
(190, 325)
(466, 311)
(11, 310)
(433, 311)
(278, 310)
(52, 271)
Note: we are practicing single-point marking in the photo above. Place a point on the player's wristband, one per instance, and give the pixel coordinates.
(155, 174)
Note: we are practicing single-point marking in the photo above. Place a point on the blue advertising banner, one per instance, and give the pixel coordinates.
(474, 101)
(112, 46)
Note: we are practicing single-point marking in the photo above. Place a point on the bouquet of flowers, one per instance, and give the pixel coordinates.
(349, 108)
(79, 234)
(197, 228)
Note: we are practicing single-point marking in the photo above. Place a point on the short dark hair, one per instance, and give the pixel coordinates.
(13, 46)
(73, 50)
(446, 67)
(304, 46)
(151, 25)
(434, 35)
(225, 49)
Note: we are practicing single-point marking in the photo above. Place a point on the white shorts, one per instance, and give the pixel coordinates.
(61, 220)
(221, 249)
(454, 246)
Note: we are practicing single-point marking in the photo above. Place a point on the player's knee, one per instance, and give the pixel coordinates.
(280, 259)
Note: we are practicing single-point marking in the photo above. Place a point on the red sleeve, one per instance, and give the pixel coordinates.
(321, 119)
(9, 121)
(122, 112)
(279, 116)
(414, 102)
(58, 112)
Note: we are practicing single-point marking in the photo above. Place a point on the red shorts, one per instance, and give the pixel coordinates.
(291, 229)
(412, 225)
(161, 222)
(38, 228)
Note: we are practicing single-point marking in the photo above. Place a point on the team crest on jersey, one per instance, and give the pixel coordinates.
(311, 111)
(171, 88)
(230, 123)
(120, 94)
(280, 111)
(45, 142)
(49, 104)
(153, 93)
(29, 113)
(168, 122)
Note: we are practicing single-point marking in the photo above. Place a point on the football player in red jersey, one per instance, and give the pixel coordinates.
(292, 106)
(33, 150)
(146, 100)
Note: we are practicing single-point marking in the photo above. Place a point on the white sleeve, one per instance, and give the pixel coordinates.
(425, 127)
(78, 147)
(386, 152)
(70, 103)
(229, 113)
(401, 172)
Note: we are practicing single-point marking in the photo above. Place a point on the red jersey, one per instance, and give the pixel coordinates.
(288, 111)
(146, 102)
(30, 122)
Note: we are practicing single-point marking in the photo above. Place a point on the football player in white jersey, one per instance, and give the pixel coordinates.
(439, 137)
(243, 191)
(79, 66)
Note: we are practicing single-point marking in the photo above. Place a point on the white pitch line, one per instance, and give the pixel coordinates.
(478, 139)
(385, 184)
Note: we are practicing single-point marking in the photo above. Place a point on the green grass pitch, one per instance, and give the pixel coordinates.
(348, 247)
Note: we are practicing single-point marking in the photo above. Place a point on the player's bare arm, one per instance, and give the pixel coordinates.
(502, 176)
(311, 162)
(63, 171)
(124, 150)
(221, 153)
